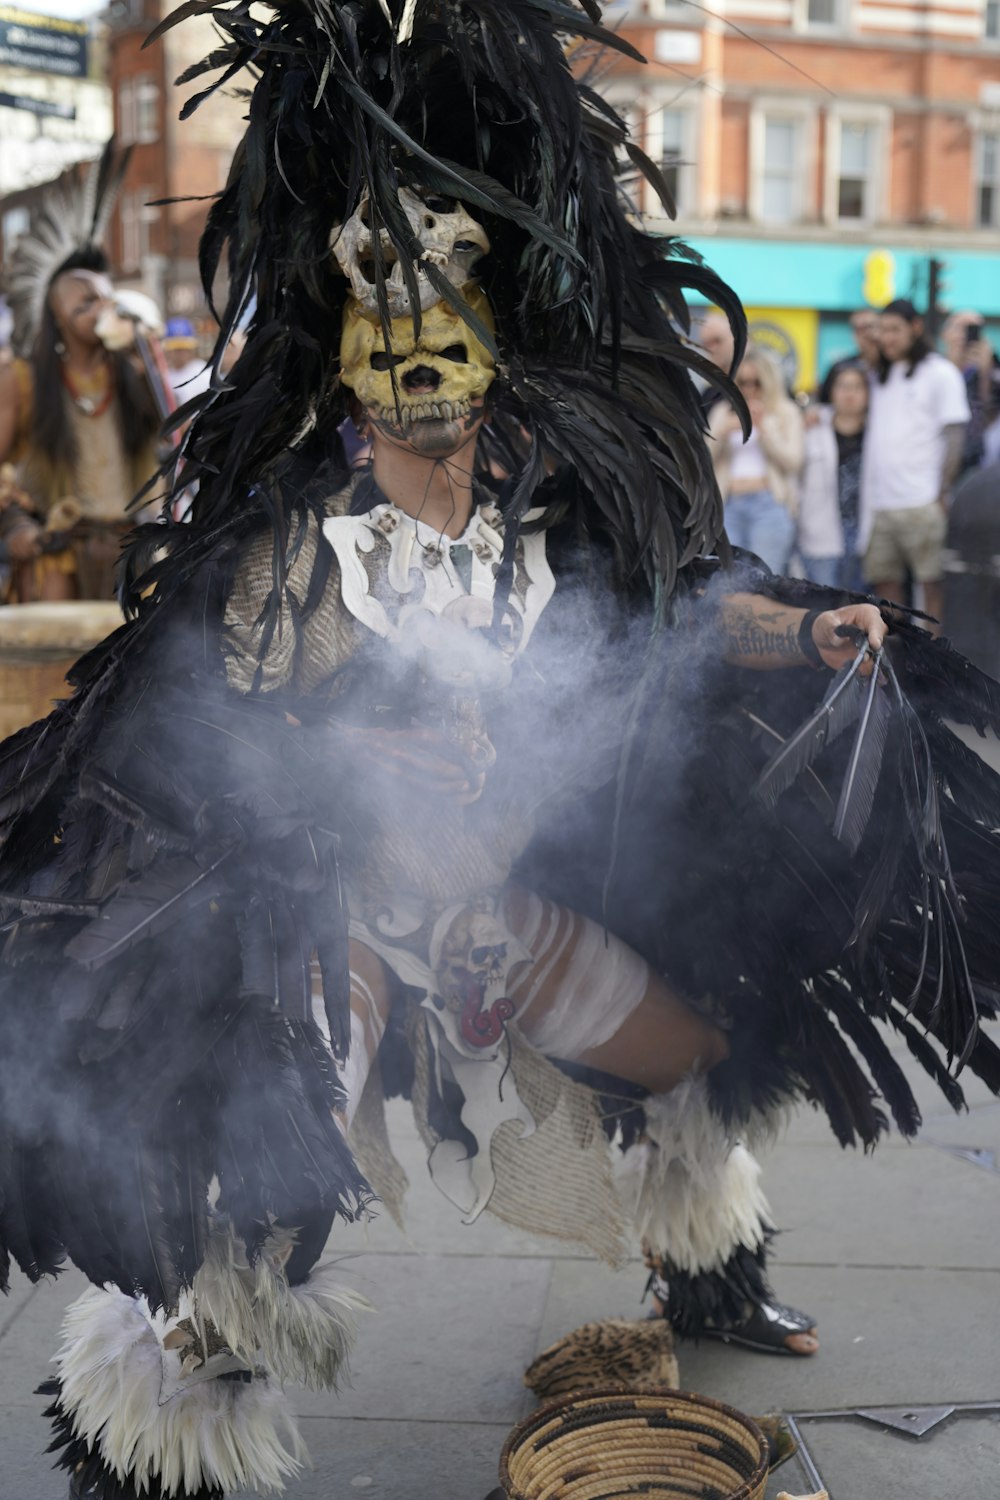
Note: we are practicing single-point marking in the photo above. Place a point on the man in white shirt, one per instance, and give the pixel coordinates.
(189, 375)
(913, 451)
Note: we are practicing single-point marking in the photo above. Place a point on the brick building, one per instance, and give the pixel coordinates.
(156, 247)
(801, 136)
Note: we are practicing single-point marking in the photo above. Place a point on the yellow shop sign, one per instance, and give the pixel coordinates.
(791, 336)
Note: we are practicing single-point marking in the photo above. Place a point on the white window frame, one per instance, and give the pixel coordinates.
(803, 114)
(636, 110)
(137, 214)
(983, 129)
(146, 109)
(652, 107)
(877, 118)
(139, 110)
(126, 111)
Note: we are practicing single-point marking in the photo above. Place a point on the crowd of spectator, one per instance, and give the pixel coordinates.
(855, 487)
(852, 488)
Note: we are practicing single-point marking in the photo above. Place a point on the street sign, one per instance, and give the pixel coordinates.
(38, 106)
(42, 44)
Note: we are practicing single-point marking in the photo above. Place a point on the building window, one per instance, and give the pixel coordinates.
(137, 214)
(821, 15)
(122, 13)
(988, 183)
(668, 142)
(779, 190)
(855, 178)
(823, 12)
(991, 22)
(138, 111)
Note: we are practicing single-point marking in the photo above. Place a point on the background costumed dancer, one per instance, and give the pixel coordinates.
(520, 797)
(81, 408)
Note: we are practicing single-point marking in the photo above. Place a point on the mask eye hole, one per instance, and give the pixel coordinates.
(381, 360)
(457, 353)
(438, 204)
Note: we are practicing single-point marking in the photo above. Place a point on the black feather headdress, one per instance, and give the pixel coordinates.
(478, 101)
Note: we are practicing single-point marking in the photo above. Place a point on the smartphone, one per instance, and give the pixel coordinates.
(973, 333)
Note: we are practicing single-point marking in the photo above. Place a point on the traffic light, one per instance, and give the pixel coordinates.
(879, 285)
(937, 295)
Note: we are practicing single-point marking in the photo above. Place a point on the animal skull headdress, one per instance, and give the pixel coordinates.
(450, 237)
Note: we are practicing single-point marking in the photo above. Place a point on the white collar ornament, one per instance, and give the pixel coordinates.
(399, 576)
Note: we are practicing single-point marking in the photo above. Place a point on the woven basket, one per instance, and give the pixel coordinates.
(38, 645)
(664, 1445)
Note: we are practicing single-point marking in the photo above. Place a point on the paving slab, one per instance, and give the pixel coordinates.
(980, 1127)
(28, 1341)
(12, 1305)
(27, 1468)
(916, 1207)
(376, 1460)
(450, 1342)
(860, 1462)
(388, 1460)
(888, 1337)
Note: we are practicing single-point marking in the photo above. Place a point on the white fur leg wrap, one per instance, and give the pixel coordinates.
(694, 1191)
(302, 1333)
(223, 1433)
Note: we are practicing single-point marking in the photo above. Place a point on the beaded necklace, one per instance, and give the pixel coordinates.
(95, 403)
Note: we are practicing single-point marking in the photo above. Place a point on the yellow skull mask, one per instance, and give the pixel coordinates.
(444, 374)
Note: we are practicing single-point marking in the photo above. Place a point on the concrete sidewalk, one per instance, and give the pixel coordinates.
(898, 1256)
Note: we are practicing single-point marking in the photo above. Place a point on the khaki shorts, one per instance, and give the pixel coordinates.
(907, 541)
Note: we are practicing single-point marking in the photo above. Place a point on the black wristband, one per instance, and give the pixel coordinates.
(807, 645)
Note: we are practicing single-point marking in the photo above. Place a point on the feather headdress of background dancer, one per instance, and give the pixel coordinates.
(188, 838)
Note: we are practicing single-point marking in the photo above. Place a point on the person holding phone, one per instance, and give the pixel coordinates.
(965, 343)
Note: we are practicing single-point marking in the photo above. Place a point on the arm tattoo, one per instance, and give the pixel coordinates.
(750, 636)
(954, 442)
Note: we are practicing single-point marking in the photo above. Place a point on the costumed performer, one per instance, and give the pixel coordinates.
(404, 781)
(78, 416)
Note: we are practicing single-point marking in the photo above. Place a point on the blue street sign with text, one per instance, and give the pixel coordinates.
(42, 44)
(38, 106)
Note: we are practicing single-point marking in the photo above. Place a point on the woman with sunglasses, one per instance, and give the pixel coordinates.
(759, 478)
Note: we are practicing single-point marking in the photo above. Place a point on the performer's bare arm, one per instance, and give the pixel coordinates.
(764, 635)
(9, 406)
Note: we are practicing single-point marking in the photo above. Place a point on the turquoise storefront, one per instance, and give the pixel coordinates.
(801, 294)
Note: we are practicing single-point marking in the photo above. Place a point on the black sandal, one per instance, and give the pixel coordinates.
(766, 1328)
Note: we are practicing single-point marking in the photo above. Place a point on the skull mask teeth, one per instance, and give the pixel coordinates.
(450, 239)
(441, 374)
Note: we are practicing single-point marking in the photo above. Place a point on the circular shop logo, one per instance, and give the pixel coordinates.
(779, 345)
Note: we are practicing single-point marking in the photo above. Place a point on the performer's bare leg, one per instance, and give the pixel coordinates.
(660, 1043)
